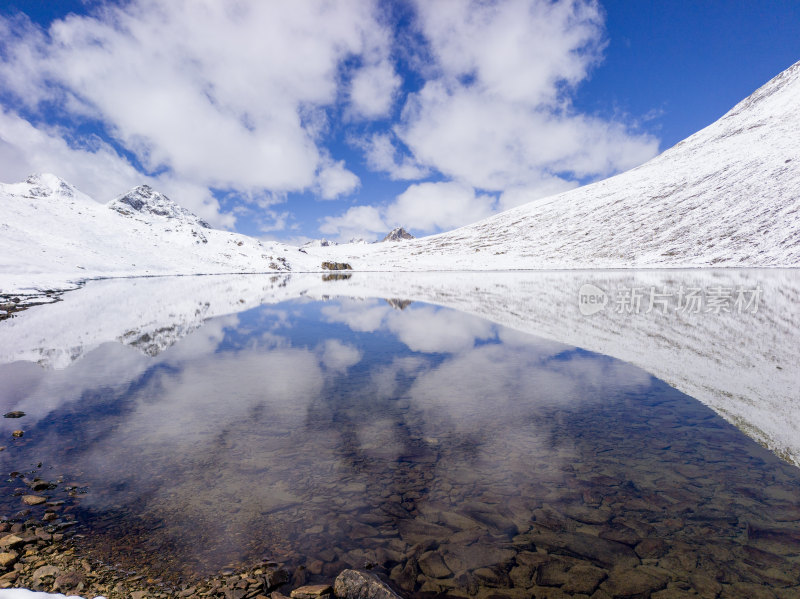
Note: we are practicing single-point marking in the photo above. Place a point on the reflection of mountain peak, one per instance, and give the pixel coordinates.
(152, 343)
(398, 304)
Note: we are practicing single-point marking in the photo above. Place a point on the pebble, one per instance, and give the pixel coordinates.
(33, 499)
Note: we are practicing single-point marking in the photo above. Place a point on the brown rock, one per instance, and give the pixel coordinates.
(432, 564)
(33, 499)
(311, 591)
(651, 548)
(634, 583)
(746, 590)
(70, 581)
(584, 578)
(459, 558)
(18, 434)
(7, 559)
(552, 574)
(602, 552)
(11, 541)
(354, 584)
(45, 572)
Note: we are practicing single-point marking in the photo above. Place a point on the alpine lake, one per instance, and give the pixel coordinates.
(461, 435)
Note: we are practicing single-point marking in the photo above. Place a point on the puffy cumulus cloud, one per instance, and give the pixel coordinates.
(335, 180)
(95, 167)
(358, 221)
(496, 114)
(373, 90)
(426, 207)
(226, 95)
(382, 155)
(432, 206)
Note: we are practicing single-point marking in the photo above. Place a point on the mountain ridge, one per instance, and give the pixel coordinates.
(728, 195)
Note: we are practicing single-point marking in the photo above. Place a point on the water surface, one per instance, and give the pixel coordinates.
(449, 453)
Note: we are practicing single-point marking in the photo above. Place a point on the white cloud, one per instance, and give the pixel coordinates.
(358, 221)
(243, 96)
(373, 90)
(335, 180)
(497, 114)
(432, 206)
(382, 155)
(220, 94)
(97, 171)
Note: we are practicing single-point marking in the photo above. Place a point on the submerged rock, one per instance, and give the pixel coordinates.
(353, 584)
(311, 591)
(33, 499)
(14, 414)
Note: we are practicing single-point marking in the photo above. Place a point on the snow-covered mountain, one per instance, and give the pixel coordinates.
(319, 243)
(148, 205)
(398, 234)
(52, 235)
(728, 195)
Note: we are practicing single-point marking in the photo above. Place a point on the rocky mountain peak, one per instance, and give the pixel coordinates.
(398, 234)
(145, 201)
(45, 184)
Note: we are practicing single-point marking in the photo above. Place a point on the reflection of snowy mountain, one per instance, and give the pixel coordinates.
(150, 314)
(728, 195)
(744, 365)
(52, 234)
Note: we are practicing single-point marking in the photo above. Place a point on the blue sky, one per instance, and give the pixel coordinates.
(301, 120)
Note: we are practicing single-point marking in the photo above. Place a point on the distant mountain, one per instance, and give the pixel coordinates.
(51, 235)
(319, 243)
(398, 234)
(728, 195)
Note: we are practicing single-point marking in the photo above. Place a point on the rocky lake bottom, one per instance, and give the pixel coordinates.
(451, 456)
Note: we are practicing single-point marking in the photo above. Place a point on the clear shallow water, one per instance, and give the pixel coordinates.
(454, 455)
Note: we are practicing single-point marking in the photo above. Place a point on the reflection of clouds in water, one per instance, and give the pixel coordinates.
(422, 328)
(111, 366)
(497, 384)
(219, 437)
(383, 380)
(39, 392)
(204, 449)
(360, 316)
(434, 330)
(180, 413)
(201, 342)
(339, 356)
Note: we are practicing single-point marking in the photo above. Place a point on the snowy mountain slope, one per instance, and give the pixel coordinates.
(728, 195)
(143, 203)
(744, 365)
(51, 234)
